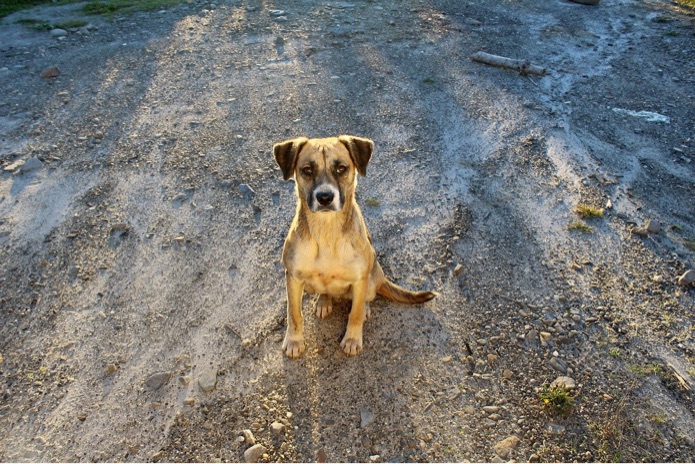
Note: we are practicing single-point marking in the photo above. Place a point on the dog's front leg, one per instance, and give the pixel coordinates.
(352, 341)
(293, 346)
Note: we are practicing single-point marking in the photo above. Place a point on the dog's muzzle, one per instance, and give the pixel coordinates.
(325, 198)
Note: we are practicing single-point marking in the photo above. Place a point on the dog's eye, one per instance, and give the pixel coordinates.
(307, 171)
(342, 169)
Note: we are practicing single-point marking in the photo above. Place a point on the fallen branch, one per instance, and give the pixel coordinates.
(523, 67)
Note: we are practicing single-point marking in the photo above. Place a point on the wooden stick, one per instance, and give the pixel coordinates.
(524, 67)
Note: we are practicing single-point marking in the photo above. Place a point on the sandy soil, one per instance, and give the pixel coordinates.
(141, 294)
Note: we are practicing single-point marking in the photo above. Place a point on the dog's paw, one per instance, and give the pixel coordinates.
(352, 346)
(324, 306)
(293, 348)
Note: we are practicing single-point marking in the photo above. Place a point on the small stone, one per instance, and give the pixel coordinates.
(1, 358)
(494, 417)
(155, 381)
(57, 32)
(30, 165)
(497, 459)
(481, 341)
(277, 428)
(447, 359)
(642, 232)
(687, 278)
(562, 381)
(534, 458)
(491, 409)
(366, 417)
(181, 197)
(558, 364)
(321, 456)
(507, 374)
(374, 458)
(14, 166)
(50, 72)
(208, 380)
(189, 401)
(254, 453)
(277, 13)
(248, 437)
(492, 358)
(185, 379)
(653, 227)
(504, 447)
(157, 455)
(554, 429)
(457, 270)
(110, 369)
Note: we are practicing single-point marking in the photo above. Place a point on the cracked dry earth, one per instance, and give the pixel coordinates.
(142, 301)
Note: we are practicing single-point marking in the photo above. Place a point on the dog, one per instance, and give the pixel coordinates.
(328, 250)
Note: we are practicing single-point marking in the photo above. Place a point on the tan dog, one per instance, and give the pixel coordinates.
(328, 250)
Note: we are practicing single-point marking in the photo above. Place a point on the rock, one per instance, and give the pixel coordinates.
(14, 166)
(189, 401)
(457, 270)
(447, 359)
(653, 227)
(642, 232)
(558, 364)
(110, 369)
(155, 381)
(554, 429)
(533, 339)
(504, 447)
(497, 459)
(57, 32)
(492, 358)
(207, 380)
(491, 409)
(277, 428)
(277, 13)
(534, 458)
(30, 165)
(254, 453)
(562, 381)
(687, 278)
(507, 374)
(366, 417)
(248, 437)
(321, 456)
(50, 72)
(181, 197)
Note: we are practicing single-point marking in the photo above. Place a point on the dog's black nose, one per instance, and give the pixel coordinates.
(324, 198)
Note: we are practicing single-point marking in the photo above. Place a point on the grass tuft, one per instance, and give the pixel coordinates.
(581, 226)
(372, 202)
(557, 400)
(589, 212)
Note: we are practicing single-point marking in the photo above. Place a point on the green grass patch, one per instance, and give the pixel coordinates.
(646, 369)
(581, 226)
(557, 400)
(688, 3)
(589, 212)
(73, 23)
(38, 25)
(615, 352)
(8, 7)
(428, 80)
(108, 7)
(658, 418)
(372, 202)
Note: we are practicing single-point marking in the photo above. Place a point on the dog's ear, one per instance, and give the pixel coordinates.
(360, 151)
(286, 155)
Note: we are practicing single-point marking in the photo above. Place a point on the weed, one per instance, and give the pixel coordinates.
(35, 24)
(615, 352)
(691, 372)
(557, 400)
(672, 33)
(428, 80)
(581, 226)
(658, 418)
(372, 202)
(108, 7)
(589, 212)
(73, 23)
(646, 369)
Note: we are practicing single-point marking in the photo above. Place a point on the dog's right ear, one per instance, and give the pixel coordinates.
(286, 155)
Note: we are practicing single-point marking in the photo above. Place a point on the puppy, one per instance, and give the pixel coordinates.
(328, 250)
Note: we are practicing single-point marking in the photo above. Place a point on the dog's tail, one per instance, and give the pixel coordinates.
(397, 293)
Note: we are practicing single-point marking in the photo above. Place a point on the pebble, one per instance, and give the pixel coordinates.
(277, 13)
(642, 232)
(180, 197)
(208, 380)
(248, 437)
(554, 429)
(57, 32)
(562, 381)
(447, 359)
(155, 381)
(558, 364)
(50, 72)
(30, 165)
(687, 278)
(492, 358)
(189, 401)
(321, 456)
(504, 447)
(110, 369)
(366, 417)
(457, 270)
(497, 459)
(507, 374)
(653, 227)
(254, 453)
(491, 409)
(14, 166)
(277, 428)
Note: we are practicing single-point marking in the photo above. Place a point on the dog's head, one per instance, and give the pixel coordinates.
(325, 170)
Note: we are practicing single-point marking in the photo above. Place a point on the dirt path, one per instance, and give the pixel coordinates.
(140, 249)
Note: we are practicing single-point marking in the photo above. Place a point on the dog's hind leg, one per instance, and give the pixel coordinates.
(324, 306)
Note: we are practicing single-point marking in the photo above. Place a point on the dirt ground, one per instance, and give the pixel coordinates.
(142, 300)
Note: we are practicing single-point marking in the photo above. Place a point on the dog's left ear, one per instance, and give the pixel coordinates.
(360, 151)
(286, 155)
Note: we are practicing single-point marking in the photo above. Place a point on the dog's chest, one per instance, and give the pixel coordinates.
(328, 269)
